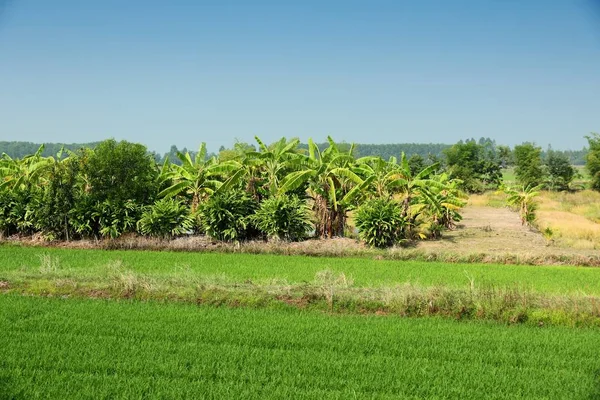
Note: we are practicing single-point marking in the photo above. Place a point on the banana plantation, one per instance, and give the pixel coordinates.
(271, 192)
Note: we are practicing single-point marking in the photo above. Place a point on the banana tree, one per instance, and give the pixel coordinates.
(264, 169)
(333, 186)
(524, 199)
(385, 175)
(440, 205)
(21, 173)
(197, 177)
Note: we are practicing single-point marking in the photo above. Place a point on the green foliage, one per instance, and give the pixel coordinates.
(227, 216)
(476, 165)
(523, 199)
(283, 217)
(59, 198)
(8, 200)
(416, 164)
(120, 171)
(593, 160)
(365, 271)
(23, 149)
(528, 164)
(165, 218)
(380, 222)
(101, 192)
(561, 172)
(113, 218)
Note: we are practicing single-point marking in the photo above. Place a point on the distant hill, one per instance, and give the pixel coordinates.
(22, 149)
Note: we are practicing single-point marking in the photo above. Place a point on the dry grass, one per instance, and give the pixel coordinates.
(569, 219)
(488, 199)
(572, 218)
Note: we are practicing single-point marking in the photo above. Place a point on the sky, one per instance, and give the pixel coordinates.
(184, 72)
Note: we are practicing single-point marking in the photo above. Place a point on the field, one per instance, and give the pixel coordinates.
(84, 323)
(28, 264)
(55, 348)
(571, 220)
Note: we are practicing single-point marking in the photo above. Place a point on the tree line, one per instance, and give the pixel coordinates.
(281, 191)
(427, 151)
(278, 191)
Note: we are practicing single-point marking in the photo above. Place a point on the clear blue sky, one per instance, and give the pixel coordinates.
(182, 72)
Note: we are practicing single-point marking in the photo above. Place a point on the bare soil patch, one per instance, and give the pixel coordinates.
(494, 231)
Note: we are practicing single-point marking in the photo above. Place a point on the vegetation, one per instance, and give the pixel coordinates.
(122, 350)
(569, 219)
(380, 222)
(593, 160)
(523, 200)
(24, 264)
(18, 149)
(117, 188)
(560, 171)
(528, 165)
(283, 217)
(166, 218)
(476, 165)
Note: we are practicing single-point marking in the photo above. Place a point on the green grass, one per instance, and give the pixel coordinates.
(20, 262)
(56, 348)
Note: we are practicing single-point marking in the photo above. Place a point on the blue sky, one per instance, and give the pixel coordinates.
(182, 72)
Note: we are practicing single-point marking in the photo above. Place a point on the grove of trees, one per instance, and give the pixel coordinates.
(264, 191)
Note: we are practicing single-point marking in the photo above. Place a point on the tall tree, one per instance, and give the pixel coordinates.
(560, 171)
(528, 164)
(475, 164)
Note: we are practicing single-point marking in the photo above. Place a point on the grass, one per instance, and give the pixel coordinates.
(27, 263)
(55, 348)
(571, 218)
(567, 296)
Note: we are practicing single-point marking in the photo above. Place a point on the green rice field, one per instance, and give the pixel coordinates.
(98, 349)
(20, 262)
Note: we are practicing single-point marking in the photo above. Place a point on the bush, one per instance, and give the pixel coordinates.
(165, 218)
(283, 217)
(119, 172)
(226, 216)
(380, 222)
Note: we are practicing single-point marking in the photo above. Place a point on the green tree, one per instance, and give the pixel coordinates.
(475, 164)
(121, 171)
(592, 163)
(59, 198)
(528, 164)
(560, 170)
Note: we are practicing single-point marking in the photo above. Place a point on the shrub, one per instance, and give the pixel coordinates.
(165, 218)
(226, 216)
(111, 218)
(283, 217)
(380, 222)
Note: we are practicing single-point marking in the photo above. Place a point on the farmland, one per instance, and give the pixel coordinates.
(202, 286)
(29, 263)
(55, 348)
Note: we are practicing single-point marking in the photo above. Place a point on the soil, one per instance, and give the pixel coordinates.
(494, 230)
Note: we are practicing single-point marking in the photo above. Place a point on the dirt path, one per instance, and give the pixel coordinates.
(490, 230)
